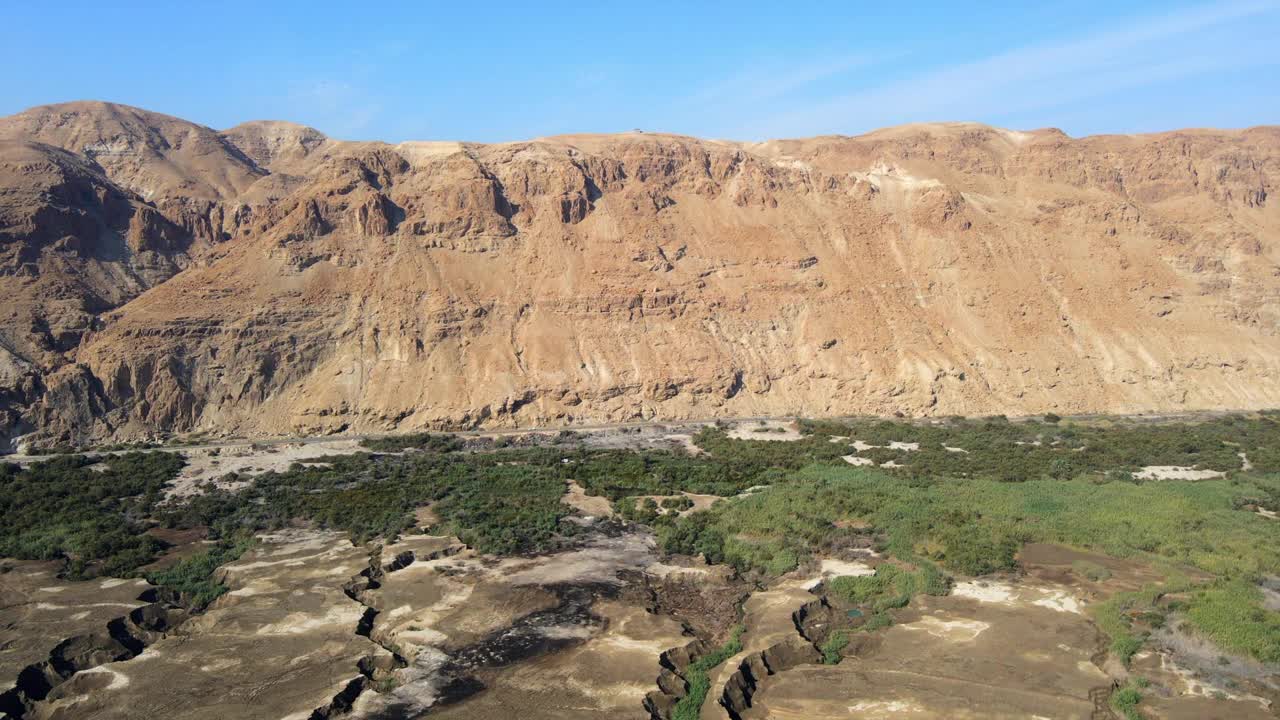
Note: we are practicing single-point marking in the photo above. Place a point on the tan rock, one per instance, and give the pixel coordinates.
(926, 269)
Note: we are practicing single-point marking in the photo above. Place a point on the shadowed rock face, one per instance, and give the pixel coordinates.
(927, 269)
(282, 643)
(51, 629)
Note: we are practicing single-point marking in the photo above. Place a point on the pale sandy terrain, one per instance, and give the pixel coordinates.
(588, 505)
(212, 465)
(280, 645)
(779, 430)
(1171, 472)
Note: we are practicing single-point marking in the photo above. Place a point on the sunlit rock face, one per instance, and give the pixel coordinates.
(165, 277)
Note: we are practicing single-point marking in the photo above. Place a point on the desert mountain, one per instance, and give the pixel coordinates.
(161, 276)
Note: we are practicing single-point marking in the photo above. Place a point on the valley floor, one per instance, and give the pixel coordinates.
(762, 568)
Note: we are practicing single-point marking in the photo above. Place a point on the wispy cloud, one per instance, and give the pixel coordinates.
(338, 107)
(715, 107)
(773, 81)
(1142, 51)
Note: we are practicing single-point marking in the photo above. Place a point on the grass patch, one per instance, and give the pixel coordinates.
(834, 645)
(976, 526)
(878, 621)
(699, 680)
(1231, 613)
(1126, 698)
(193, 577)
(890, 587)
(1113, 618)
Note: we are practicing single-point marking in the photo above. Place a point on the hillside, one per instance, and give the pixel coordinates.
(164, 277)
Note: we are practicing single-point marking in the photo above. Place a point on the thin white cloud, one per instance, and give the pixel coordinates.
(769, 82)
(1140, 52)
(339, 108)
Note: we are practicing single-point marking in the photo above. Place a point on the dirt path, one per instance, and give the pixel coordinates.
(314, 439)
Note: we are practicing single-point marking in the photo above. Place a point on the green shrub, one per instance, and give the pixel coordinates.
(696, 675)
(834, 646)
(415, 441)
(878, 621)
(91, 517)
(1125, 700)
(193, 577)
(890, 588)
(678, 503)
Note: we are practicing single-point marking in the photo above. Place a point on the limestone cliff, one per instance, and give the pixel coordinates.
(928, 269)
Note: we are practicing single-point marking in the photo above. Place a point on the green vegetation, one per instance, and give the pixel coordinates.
(998, 449)
(414, 441)
(91, 516)
(976, 526)
(726, 468)
(193, 577)
(504, 502)
(676, 504)
(878, 621)
(696, 675)
(1119, 617)
(834, 645)
(968, 512)
(1231, 613)
(1125, 699)
(890, 587)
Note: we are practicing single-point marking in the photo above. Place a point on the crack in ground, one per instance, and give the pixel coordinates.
(453, 676)
(123, 638)
(372, 668)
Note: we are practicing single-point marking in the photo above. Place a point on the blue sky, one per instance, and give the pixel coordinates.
(492, 71)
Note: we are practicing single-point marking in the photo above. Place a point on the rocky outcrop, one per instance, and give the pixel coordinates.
(928, 269)
(671, 681)
(742, 684)
(122, 639)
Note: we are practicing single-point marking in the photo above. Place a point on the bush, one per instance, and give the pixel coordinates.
(878, 621)
(193, 577)
(677, 504)
(834, 646)
(64, 508)
(415, 441)
(696, 675)
(891, 587)
(1231, 613)
(1125, 700)
(980, 548)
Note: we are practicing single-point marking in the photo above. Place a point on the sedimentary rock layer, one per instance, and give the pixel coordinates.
(161, 276)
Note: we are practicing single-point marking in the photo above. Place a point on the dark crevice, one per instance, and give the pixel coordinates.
(123, 638)
(457, 678)
(372, 668)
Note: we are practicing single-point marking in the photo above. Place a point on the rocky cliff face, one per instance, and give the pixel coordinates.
(284, 282)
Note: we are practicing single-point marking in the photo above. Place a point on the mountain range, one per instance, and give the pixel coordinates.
(163, 277)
